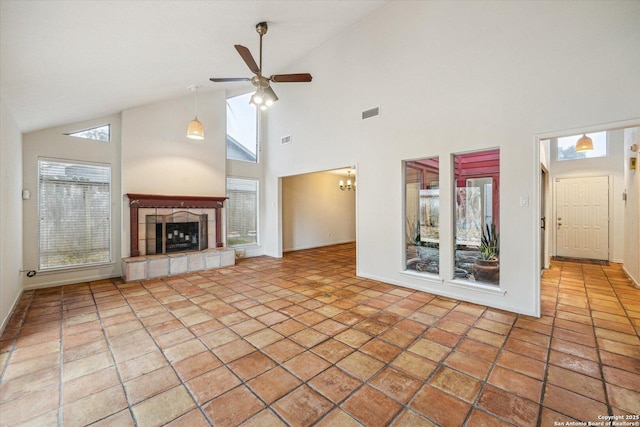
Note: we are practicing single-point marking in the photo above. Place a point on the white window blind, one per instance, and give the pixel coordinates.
(74, 207)
(242, 211)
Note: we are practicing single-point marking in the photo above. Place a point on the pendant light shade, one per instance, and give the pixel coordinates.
(195, 129)
(584, 144)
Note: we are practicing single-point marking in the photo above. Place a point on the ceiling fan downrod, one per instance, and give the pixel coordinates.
(261, 28)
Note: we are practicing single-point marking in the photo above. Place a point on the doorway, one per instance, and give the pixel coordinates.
(582, 217)
(318, 209)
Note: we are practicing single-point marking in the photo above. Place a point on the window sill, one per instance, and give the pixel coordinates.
(60, 270)
(478, 287)
(431, 277)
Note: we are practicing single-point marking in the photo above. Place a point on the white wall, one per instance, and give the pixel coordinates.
(452, 77)
(632, 207)
(611, 166)
(158, 158)
(315, 212)
(10, 214)
(54, 144)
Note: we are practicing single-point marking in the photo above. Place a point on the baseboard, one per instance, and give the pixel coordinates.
(64, 282)
(634, 282)
(322, 245)
(5, 321)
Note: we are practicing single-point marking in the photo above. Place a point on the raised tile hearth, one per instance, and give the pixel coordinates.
(152, 266)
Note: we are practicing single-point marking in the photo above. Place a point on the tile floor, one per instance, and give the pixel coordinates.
(301, 341)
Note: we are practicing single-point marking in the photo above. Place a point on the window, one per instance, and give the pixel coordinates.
(100, 133)
(422, 211)
(567, 147)
(242, 125)
(74, 207)
(477, 222)
(242, 211)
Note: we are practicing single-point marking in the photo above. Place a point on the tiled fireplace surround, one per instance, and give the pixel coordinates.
(140, 266)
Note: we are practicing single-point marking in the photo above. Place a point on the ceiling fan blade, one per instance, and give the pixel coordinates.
(248, 58)
(270, 91)
(230, 79)
(285, 78)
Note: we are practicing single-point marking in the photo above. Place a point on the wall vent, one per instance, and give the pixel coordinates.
(372, 112)
(285, 140)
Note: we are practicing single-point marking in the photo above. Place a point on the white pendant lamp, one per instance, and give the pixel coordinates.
(195, 129)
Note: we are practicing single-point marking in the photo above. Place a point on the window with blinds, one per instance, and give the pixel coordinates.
(242, 211)
(74, 207)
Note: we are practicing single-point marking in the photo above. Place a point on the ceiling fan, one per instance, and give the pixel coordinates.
(264, 96)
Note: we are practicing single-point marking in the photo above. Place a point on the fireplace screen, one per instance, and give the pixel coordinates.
(176, 232)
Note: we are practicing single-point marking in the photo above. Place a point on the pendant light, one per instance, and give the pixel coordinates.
(584, 144)
(195, 129)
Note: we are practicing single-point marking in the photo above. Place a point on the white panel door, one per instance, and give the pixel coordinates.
(582, 217)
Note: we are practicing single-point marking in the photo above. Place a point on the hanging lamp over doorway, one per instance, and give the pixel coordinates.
(584, 144)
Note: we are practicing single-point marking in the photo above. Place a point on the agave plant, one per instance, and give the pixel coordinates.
(489, 243)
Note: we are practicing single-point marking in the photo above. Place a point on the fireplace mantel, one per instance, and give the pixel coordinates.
(137, 201)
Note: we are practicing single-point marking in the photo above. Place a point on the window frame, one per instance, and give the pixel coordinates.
(257, 131)
(419, 255)
(257, 211)
(76, 133)
(484, 165)
(595, 137)
(107, 200)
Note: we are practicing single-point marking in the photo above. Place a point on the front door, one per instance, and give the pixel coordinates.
(582, 217)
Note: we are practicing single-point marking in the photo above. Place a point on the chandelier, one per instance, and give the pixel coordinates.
(349, 185)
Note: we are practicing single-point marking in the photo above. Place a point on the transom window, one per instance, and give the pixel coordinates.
(567, 147)
(99, 133)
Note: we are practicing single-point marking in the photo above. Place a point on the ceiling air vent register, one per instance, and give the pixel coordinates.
(372, 112)
(285, 140)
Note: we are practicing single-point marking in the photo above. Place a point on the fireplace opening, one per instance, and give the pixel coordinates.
(176, 232)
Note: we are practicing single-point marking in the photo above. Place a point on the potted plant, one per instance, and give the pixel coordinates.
(487, 266)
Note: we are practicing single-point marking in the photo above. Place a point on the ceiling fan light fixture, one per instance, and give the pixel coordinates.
(584, 144)
(195, 130)
(257, 99)
(264, 95)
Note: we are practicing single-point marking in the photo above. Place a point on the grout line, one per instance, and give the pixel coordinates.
(103, 328)
(595, 339)
(295, 279)
(548, 359)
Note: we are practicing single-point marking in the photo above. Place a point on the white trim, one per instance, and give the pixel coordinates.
(5, 321)
(478, 287)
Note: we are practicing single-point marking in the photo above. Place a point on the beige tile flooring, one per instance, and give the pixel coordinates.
(302, 341)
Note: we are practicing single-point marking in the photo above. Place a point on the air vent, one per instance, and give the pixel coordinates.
(372, 112)
(285, 140)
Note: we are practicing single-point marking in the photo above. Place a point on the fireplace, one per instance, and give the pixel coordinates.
(175, 216)
(177, 232)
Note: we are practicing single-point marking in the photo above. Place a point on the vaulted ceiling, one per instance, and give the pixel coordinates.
(65, 61)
